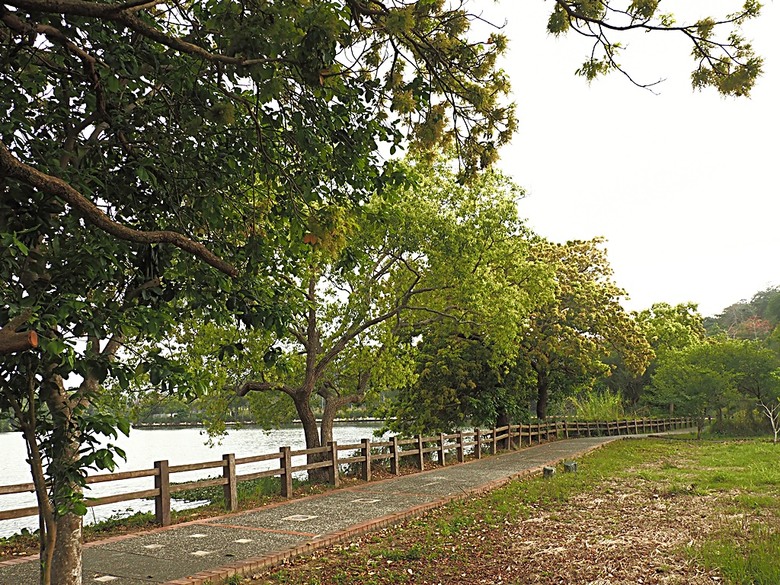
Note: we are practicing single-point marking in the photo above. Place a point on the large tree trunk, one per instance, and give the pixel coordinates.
(542, 394)
(332, 407)
(66, 561)
(66, 566)
(311, 434)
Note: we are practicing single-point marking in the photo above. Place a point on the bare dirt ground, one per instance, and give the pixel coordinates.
(621, 532)
(619, 535)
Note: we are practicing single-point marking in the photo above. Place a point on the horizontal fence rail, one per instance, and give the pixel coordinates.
(333, 457)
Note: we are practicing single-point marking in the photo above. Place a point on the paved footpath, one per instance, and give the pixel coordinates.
(212, 549)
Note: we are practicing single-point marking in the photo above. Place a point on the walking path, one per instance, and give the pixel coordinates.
(209, 550)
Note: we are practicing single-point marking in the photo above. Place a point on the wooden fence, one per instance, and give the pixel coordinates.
(365, 453)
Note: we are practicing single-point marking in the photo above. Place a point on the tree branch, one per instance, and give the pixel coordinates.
(123, 14)
(253, 386)
(11, 167)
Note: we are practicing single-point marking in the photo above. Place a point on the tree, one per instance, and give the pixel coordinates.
(722, 372)
(754, 370)
(754, 319)
(459, 381)
(666, 328)
(434, 251)
(569, 338)
(695, 380)
(135, 137)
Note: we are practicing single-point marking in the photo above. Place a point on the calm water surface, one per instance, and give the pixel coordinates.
(143, 448)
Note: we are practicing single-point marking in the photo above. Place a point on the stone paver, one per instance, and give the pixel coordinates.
(212, 549)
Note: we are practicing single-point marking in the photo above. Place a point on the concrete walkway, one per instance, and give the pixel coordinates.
(212, 549)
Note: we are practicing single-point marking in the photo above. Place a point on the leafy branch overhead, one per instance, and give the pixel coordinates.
(723, 60)
(293, 95)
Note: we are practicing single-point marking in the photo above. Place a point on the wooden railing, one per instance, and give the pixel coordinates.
(365, 453)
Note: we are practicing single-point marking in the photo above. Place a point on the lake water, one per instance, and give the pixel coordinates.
(144, 447)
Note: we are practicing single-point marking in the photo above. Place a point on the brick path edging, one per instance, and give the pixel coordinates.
(268, 561)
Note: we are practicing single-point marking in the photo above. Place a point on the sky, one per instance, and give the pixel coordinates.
(683, 184)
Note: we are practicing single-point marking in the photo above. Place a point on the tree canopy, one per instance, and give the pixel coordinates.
(569, 339)
(434, 254)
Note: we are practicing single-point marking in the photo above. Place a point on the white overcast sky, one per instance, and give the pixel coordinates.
(683, 185)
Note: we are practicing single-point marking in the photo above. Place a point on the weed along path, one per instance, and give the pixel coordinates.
(211, 550)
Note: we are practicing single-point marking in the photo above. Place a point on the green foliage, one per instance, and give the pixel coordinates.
(127, 129)
(718, 374)
(669, 328)
(430, 257)
(252, 491)
(457, 385)
(739, 422)
(570, 337)
(666, 328)
(694, 381)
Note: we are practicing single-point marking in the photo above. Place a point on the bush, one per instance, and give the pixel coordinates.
(594, 405)
(741, 424)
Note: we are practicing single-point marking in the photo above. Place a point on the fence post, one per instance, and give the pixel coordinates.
(230, 489)
(460, 447)
(478, 446)
(394, 460)
(285, 463)
(162, 502)
(566, 428)
(367, 463)
(442, 454)
(333, 470)
(509, 437)
(420, 454)
(494, 443)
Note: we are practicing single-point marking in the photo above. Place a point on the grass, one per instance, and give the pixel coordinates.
(256, 491)
(749, 558)
(740, 479)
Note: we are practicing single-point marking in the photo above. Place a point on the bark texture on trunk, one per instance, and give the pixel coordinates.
(311, 434)
(66, 564)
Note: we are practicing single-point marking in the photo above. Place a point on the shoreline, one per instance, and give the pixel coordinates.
(169, 425)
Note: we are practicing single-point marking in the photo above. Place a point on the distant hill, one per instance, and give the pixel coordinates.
(753, 319)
